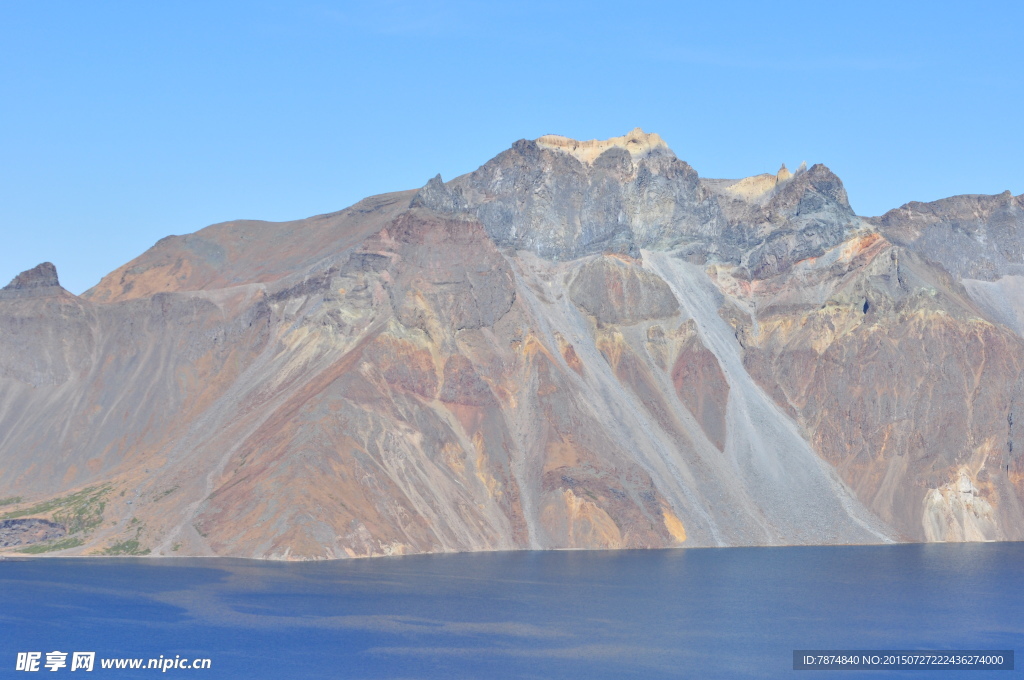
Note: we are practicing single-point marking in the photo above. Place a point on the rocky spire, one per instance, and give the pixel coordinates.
(40, 281)
(436, 195)
(40, 276)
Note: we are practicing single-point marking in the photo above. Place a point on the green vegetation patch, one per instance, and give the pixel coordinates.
(129, 547)
(164, 494)
(50, 546)
(78, 512)
(10, 501)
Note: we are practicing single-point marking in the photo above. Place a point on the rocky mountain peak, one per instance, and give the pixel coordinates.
(436, 195)
(637, 142)
(41, 276)
(812, 191)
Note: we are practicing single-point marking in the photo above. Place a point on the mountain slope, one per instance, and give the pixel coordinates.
(579, 345)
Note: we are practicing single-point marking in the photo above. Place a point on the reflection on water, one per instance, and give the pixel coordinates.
(714, 613)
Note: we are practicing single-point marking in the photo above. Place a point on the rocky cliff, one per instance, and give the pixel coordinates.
(578, 345)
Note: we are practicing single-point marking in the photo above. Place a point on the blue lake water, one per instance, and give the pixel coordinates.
(713, 613)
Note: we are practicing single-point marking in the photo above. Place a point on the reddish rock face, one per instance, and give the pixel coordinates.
(235, 253)
(617, 290)
(403, 365)
(903, 386)
(463, 385)
(580, 345)
(702, 386)
(446, 272)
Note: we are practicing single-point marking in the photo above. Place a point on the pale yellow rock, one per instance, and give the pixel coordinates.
(638, 143)
(589, 526)
(673, 524)
(956, 512)
(750, 188)
(756, 186)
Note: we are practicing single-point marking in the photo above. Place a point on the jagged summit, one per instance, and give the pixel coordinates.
(637, 142)
(41, 276)
(562, 199)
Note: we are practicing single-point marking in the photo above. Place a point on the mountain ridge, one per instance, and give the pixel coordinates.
(578, 345)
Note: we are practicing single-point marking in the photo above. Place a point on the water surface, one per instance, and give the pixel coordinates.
(712, 613)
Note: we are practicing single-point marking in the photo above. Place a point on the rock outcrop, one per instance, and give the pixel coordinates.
(972, 237)
(16, 532)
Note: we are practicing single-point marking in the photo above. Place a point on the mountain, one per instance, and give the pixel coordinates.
(581, 344)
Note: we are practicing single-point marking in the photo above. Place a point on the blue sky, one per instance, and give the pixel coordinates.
(123, 122)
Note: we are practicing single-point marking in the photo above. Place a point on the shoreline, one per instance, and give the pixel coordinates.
(29, 556)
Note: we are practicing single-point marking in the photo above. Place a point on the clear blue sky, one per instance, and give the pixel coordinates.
(123, 122)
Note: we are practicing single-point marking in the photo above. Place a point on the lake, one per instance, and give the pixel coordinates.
(700, 613)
